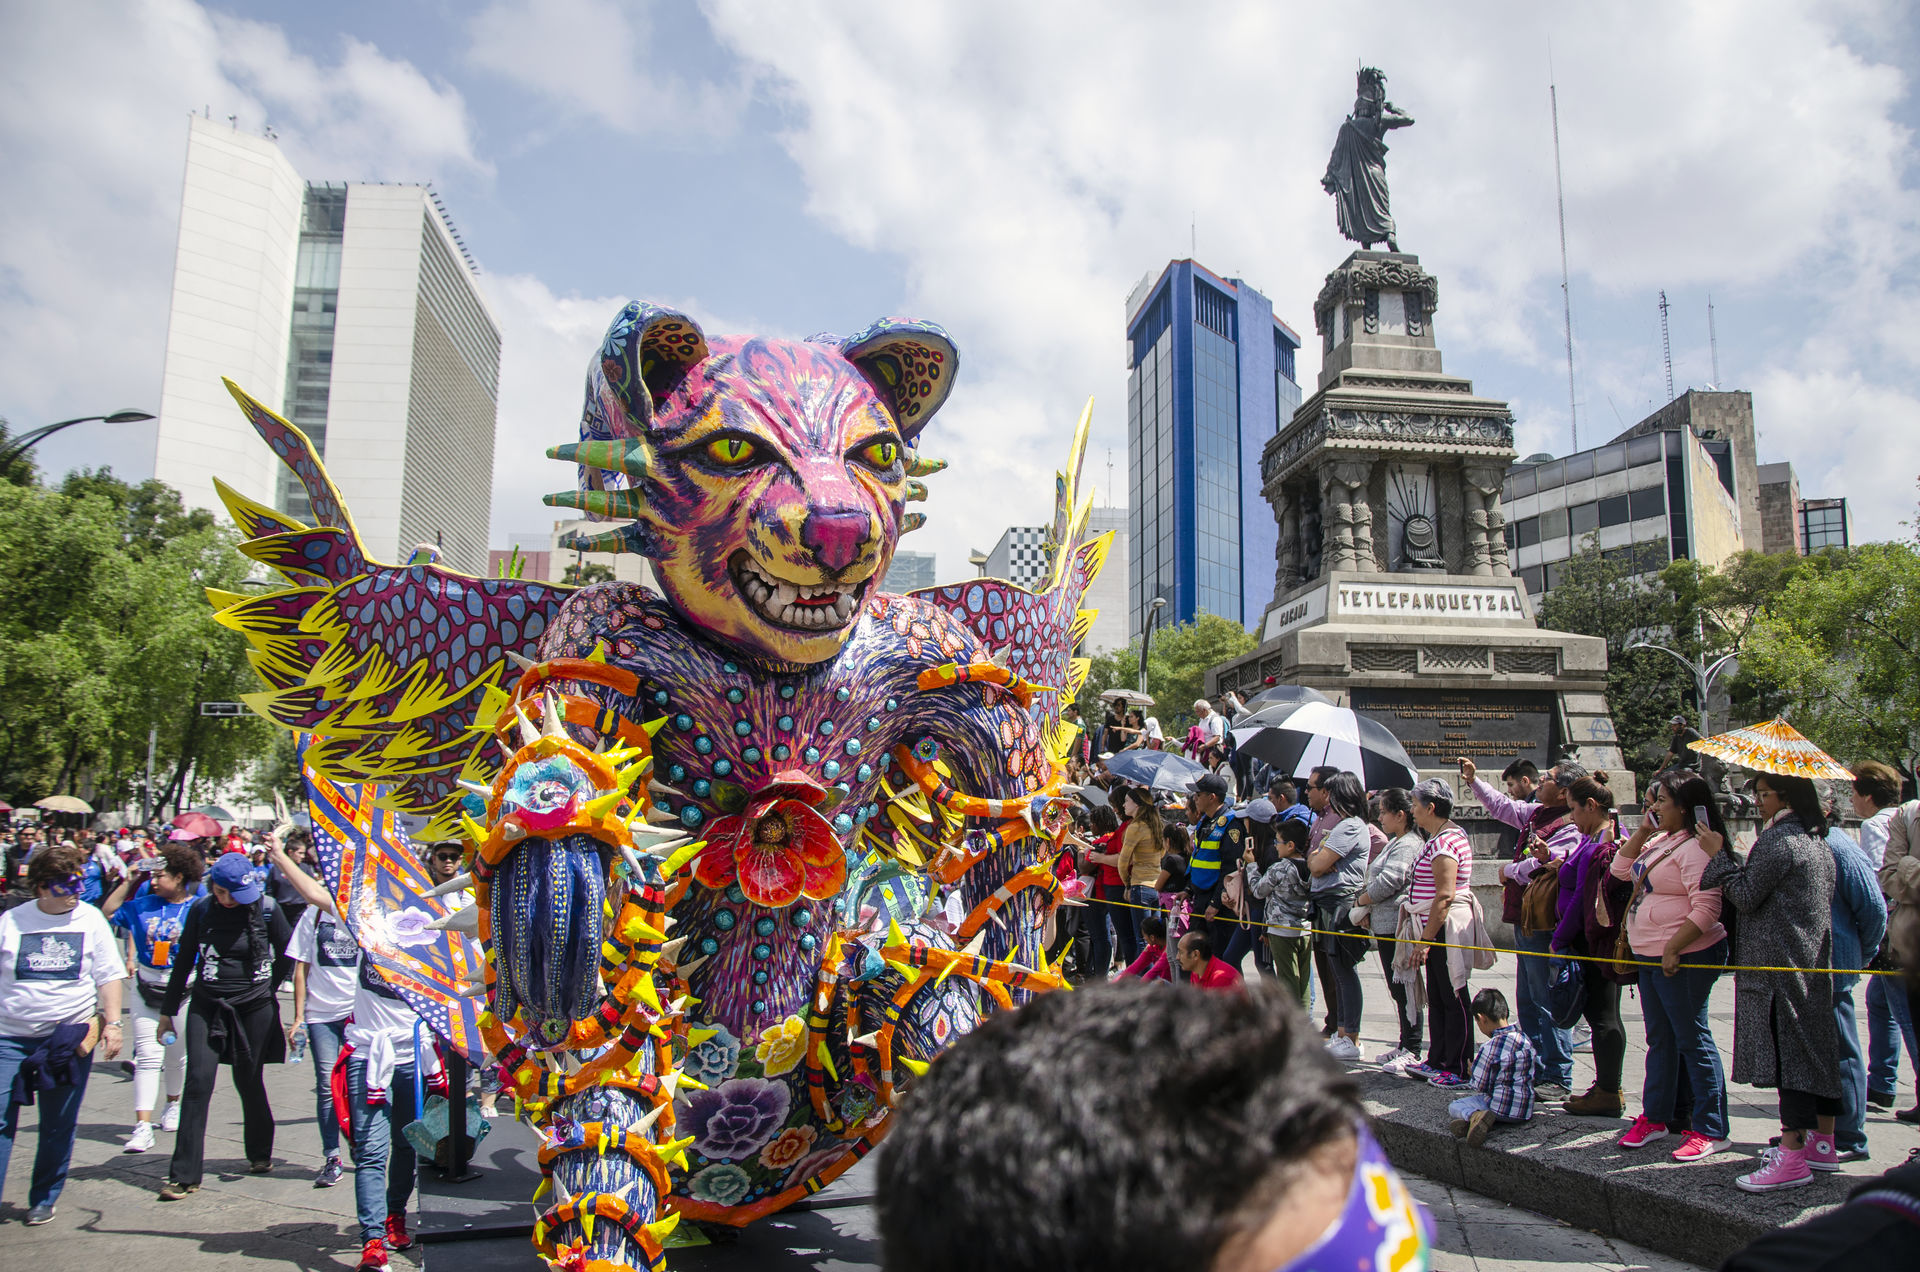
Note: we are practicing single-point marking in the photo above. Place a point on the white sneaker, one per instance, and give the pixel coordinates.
(1341, 1047)
(142, 1138)
(1583, 1037)
(170, 1120)
(1395, 1059)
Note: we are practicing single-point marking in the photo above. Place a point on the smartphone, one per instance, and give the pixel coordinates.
(1700, 818)
(146, 865)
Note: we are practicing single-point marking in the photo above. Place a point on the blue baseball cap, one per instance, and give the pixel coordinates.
(235, 873)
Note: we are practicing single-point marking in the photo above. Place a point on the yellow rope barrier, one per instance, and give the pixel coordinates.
(1295, 930)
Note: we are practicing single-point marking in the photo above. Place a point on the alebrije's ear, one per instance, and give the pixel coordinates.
(911, 365)
(646, 351)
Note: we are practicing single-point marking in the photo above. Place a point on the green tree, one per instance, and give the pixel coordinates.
(1177, 665)
(581, 573)
(1840, 645)
(105, 633)
(19, 471)
(1645, 688)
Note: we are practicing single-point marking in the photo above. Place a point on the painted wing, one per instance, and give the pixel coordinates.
(380, 890)
(393, 668)
(1034, 634)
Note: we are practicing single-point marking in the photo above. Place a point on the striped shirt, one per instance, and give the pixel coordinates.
(1503, 1072)
(1451, 842)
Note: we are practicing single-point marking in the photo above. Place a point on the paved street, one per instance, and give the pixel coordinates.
(108, 1213)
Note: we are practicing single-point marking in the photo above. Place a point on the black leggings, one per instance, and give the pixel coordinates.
(203, 1067)
(1802, 1110)
(1448, 1018)
(1609, 1038)
(1410, 1030)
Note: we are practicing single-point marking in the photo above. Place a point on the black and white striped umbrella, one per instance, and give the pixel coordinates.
(1296, 740)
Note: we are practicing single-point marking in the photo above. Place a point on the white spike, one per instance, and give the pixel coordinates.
(658, 841)
(512, 830)
(458, 883)
(868, 1040)
(466, 919)
(560, 1191)
(691, 968)
(632, 858)
(555, 723)
(528, 734)
(978, 943)
(661, 788)
(670, 1083)
(478, 788)
(645, 1124)
(671, 949)
(521, 661)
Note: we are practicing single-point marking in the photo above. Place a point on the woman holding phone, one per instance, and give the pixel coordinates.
(1672, 918)
(152, 922)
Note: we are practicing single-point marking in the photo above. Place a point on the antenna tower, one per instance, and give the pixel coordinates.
(1713, 341)
(1666, 343)
(1566, 289)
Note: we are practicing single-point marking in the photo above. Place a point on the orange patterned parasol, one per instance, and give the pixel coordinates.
(1773, 747)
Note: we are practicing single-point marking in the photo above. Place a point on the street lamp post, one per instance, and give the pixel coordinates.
(1146, 636)
(1704, 675)
(19, 446)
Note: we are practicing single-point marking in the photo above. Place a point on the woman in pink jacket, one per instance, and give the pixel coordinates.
(1674, 920)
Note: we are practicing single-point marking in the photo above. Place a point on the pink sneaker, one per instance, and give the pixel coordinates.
(1821, 1154)
(1643, 1132)
(1697, 1147)
(1779, 1168)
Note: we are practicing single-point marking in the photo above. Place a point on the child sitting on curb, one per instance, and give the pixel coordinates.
(1502, 1078)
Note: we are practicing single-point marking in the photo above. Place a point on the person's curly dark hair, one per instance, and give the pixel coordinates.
(183, 861)
(1127, 1125)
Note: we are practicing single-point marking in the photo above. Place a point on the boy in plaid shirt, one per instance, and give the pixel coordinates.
(1502, 1078)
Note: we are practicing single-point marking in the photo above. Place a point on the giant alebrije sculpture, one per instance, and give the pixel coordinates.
(745, 854)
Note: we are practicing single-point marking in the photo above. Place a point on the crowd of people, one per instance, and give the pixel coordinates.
(1306, 879)
(212, 928)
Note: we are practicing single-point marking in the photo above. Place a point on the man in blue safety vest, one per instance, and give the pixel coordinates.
(1218, 840)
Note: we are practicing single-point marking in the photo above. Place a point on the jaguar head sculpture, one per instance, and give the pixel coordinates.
(767, 479)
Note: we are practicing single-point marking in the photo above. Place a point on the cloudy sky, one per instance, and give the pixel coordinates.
(1011, 170)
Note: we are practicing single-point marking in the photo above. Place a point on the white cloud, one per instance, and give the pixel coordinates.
(87, 236)
(594, 57)
(1026, 162)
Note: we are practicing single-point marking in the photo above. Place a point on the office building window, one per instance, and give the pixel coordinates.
(1614, 510)
(1213, 310)
(1535, 578)
(1584, 519)
(1823, 525)
(1520, 481)
(1649, 501)
(1527, 532)
(1216, 435)
(1643, 450)
(1553, 523)
(1283, 356)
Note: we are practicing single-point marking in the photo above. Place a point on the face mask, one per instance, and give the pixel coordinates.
(1381, 1225)
(67, 887)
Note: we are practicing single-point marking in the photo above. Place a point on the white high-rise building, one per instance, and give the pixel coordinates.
(353, 311)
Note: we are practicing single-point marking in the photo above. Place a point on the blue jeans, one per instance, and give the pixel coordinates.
(323, 1043)
(1467, 1105)
(1553, 1048)
(1888, 1022)
(1850, 1127)
(1679, 1042)
(383, 1161)
(59, 1116)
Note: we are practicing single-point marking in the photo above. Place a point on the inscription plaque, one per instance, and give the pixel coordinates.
(1492, 727)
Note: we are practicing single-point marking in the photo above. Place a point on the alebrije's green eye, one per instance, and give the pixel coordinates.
(882, 454)
(731, 451)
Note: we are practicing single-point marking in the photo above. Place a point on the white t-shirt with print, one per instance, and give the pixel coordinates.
(51, 966)
(332, 957)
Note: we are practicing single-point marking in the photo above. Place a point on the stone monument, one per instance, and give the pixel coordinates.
(1392, 588)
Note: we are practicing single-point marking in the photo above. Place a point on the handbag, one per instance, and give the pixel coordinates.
(1567, 992)
(1540, 903)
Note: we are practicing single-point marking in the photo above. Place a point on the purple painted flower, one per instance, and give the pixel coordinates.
(736, 1118)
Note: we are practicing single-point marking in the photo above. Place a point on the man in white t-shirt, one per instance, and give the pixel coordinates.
(57, 959)
(326, 967)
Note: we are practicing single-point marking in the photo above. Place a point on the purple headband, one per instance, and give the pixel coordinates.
(1381, 1229)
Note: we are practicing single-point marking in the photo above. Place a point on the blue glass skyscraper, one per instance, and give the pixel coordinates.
(1210, 378)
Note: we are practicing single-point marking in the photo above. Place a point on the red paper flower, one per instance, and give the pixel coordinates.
(779, 849)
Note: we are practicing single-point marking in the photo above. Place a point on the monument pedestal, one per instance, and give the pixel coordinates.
(1392, 588)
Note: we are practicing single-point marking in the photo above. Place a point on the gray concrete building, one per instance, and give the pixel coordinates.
(909, 572)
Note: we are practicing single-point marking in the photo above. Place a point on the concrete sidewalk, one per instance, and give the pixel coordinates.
(1569, 1168)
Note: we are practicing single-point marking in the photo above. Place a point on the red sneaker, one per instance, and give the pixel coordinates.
(373, 1255)
(397, 1238)
(1643, 1132)
(1697, 1147)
